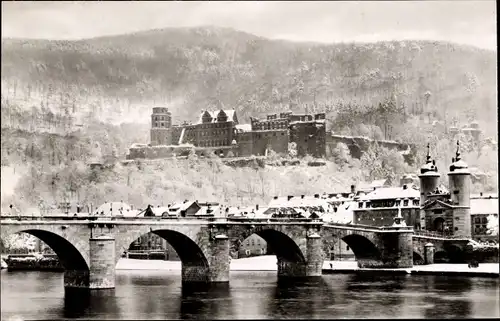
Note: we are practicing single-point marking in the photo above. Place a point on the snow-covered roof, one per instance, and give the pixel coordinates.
(391, 193)
(484, 206)
(244, 127)
(297, 202)
(112, 208)
(178, 207)
(344, 213)
(318, 121)
(158, 211)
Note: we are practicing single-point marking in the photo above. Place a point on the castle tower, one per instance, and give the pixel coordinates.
(429, 180)
(161, 122)
(459, 182)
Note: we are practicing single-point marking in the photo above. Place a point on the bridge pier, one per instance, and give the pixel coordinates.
(217, 267)
(101, 273)
(395, 248)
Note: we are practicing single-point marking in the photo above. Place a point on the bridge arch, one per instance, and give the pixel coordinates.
(188, 244)
(362, 247)
(279, 240)
(418, 259)
(68, 243)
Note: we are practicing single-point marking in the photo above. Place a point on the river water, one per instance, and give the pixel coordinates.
(149, 294)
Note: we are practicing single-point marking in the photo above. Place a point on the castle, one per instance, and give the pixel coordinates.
(220, 133)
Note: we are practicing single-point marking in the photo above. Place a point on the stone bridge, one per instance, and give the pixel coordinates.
(90, 247)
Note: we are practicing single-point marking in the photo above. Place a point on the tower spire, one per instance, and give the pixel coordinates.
(428, 152)
(457, 154)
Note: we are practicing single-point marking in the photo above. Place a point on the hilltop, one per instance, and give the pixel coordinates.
(190, 69)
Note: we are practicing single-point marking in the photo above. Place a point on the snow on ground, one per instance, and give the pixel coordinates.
(10, 177)
(258, 263)
(268, 263)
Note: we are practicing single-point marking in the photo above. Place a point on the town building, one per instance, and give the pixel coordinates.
(253, 245)
(483, 208)
(380, 206)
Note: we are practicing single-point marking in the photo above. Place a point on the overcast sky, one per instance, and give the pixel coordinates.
(467, 22)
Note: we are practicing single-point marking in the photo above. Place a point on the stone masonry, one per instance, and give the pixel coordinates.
(90, 249)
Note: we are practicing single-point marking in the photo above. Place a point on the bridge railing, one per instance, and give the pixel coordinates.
(210, 218)
(440, 235)
(371, 227)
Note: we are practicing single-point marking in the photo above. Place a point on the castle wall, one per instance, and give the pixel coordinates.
(277, 140)
(358, 145)
(310, 138)
(245, 143)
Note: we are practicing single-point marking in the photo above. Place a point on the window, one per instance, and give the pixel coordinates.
(456, 191)
(360, 205)
(347, 247)
(484, 220)
(438, 211)
(416, 202)
(405, 203)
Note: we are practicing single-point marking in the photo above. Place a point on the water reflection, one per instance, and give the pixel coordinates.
(201, 300)
(299, 298)
(450, 297)
(258, 295)
(83, 302)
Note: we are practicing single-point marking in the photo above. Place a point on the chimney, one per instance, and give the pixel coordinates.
(481, 194)
(316, 195)
(289, 197)
(353, 189)
(257, 207)
(405, 186)
(302, 196)
(275, 197)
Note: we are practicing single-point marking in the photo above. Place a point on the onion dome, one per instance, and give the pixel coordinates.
(430, 165)
(458, 165)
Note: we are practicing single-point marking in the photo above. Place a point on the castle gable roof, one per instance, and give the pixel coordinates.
(230, 113)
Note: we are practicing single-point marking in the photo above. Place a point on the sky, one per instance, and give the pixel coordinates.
(464, 22)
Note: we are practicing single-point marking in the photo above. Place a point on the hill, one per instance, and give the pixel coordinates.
(61, 100)
(190, 69)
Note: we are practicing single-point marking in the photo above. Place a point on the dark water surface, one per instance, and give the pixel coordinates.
(159, 295)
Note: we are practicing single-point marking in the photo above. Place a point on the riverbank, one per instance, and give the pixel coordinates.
(269, 263)
(483, 270)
